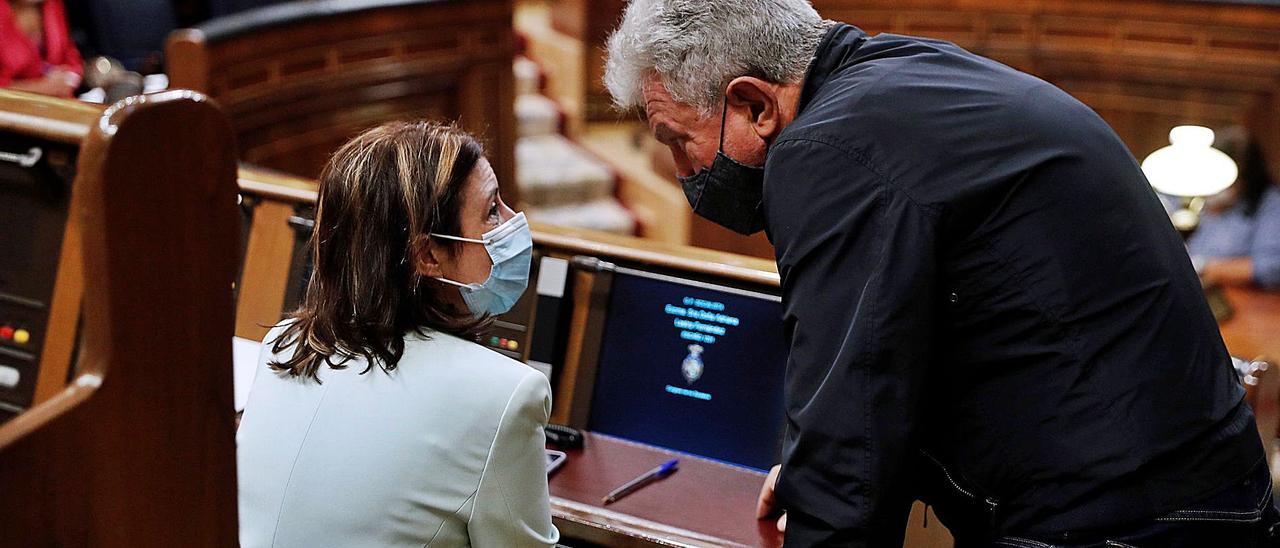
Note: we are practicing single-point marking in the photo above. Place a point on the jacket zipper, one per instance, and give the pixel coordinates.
(989, 501)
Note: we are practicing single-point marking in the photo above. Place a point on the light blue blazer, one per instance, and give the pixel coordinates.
(446, 450)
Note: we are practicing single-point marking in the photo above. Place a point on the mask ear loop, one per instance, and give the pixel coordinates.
(460, 239)
(724, 113)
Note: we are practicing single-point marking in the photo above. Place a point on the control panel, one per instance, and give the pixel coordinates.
(35, 195)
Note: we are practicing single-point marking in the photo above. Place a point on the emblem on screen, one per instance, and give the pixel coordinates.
(691, 367)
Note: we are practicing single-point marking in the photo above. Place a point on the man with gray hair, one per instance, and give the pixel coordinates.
(986, 306)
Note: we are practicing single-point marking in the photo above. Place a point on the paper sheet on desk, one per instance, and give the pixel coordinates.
(244, 360)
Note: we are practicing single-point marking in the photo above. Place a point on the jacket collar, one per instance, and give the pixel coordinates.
(835, 51)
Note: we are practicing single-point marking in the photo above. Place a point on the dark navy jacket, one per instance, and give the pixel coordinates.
(977, 276)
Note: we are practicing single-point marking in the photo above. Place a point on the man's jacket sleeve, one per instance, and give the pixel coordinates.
(858, 261)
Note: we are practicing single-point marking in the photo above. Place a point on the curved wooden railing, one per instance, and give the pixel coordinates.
(301, 78)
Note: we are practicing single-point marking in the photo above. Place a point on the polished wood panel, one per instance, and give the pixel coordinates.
(139, 449)
(269, 250)
(266, 266)
(47, 117)
(302, 78)
(1144, 65)
(64, 315)
(273, 185)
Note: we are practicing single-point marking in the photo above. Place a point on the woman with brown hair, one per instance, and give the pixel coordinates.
(375, 420)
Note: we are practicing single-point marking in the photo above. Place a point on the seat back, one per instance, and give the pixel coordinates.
(138, 449)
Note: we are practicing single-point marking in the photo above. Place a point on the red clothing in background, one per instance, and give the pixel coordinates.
(19, 57)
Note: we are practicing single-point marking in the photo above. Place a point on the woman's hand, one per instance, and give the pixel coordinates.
(767, 504)
(56, 83)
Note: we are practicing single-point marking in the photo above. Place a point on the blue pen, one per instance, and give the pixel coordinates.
(651, 476)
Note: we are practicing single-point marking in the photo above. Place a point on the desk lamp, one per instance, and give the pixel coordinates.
(1189, 169)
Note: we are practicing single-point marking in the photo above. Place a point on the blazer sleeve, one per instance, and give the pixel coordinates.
(512, 507)
(859, 269)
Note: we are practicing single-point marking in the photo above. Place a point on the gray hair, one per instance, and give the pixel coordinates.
(698, 46)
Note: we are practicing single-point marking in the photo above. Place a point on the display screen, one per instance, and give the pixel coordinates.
(692, 367)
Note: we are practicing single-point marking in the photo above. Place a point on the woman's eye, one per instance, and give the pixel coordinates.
(493, 210)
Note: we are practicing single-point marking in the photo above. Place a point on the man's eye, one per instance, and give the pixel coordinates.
(493, 209)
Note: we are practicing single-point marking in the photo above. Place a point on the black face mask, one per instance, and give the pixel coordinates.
(728, 193)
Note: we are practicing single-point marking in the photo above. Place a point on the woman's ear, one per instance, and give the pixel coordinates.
(761, 98)
(425, 257)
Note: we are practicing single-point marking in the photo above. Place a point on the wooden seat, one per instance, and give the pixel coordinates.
(138, 449)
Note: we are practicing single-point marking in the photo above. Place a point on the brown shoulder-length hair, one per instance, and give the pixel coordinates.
(380, 194)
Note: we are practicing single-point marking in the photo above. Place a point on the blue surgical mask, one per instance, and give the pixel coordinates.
(510, 246)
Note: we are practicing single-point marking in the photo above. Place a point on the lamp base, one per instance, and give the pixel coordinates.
(1187, 217)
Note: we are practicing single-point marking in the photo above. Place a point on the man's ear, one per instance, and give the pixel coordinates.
(425, 257)
(760, 98)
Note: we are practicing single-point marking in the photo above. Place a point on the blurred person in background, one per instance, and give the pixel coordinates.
(1238, 240)
(36, 51)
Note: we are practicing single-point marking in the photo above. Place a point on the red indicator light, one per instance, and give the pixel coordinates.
(6, 333)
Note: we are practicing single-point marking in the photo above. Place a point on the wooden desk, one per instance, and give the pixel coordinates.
(705, 503)
(1253, 331)
(1255, 328)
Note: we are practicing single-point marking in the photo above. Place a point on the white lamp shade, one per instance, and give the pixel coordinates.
(1190, 166)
